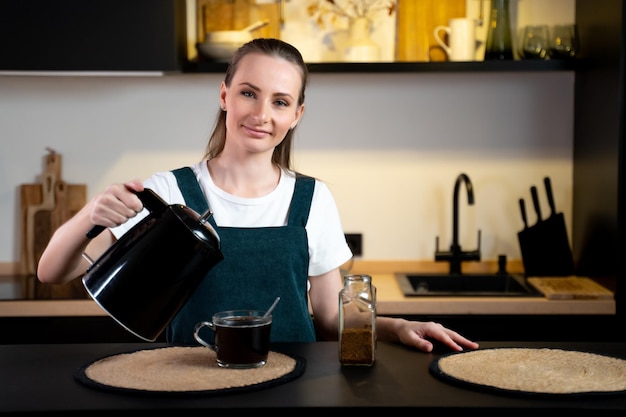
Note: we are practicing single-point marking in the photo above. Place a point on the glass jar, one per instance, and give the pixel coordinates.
(499, 44)
(357, 321)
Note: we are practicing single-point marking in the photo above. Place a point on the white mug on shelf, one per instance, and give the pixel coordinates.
(461, 39)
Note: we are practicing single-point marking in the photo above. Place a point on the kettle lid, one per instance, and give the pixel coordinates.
(198, 224)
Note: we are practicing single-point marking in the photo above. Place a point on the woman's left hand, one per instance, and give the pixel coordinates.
(421, 334)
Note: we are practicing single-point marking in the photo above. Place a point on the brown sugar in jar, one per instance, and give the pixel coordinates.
(357, 347)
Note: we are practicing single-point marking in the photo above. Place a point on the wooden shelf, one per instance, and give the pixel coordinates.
(201, 66)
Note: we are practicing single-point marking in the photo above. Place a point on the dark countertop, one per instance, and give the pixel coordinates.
(39, 378)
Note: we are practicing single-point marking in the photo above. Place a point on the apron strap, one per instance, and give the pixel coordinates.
(189, 186)
(301, 201)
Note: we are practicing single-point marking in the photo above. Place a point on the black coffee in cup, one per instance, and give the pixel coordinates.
(242, 338)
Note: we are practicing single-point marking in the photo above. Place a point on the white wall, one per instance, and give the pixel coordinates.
(389, 145)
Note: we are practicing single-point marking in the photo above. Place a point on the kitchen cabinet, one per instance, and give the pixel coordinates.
(599, 210)
(151, 35)
(95, 35)
(479, 318)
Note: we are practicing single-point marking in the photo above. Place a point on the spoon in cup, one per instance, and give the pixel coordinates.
(269, 311)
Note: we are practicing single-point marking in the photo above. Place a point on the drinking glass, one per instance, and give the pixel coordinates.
(563, 41)
(533, 42)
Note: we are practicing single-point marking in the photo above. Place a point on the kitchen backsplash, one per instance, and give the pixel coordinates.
(390, 146)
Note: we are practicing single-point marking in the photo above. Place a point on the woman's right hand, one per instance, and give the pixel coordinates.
(116, 204)
(62, 260)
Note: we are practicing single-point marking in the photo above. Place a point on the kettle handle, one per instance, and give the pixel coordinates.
(150, 200)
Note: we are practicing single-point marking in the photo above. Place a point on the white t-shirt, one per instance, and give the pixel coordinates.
(327, 244)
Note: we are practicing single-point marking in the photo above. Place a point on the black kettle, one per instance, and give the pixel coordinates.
(145, 278)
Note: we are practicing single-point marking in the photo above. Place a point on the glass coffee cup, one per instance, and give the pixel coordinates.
(241, 337)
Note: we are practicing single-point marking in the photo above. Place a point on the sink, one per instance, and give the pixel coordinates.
(466, 285)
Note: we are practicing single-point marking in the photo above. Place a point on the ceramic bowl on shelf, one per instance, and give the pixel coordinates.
(221, 44)
(218, 51)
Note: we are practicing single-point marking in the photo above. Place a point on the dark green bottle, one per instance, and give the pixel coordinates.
(499, 37)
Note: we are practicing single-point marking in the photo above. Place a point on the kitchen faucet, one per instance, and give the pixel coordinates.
(455, 256)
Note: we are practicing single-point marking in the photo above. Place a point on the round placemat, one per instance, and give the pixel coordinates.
(526, 371)
(184, 371)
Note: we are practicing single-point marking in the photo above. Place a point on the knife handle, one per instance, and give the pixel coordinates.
(533, 191)
(548, 184)
(522, 209)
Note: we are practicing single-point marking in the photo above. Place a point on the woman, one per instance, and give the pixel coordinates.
(279, 230)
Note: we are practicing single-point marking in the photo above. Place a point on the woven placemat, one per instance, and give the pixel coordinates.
(526, 371)
(184, 371)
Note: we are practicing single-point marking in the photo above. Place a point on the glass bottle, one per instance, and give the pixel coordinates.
(499, 44)
(357, 321)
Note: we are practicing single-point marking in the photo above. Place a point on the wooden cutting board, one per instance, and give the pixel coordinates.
(43, 208)
(567, 288)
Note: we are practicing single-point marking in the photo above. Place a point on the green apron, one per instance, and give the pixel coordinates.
(259, 265)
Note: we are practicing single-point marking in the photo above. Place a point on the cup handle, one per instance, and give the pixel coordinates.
(440, 41)
(196, 334)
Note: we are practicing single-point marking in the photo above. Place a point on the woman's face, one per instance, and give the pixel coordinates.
(261, 103)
